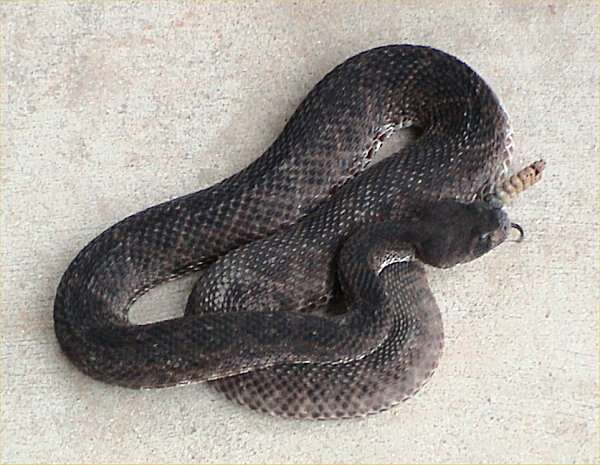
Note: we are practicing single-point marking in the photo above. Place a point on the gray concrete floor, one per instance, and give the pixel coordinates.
(111, 107)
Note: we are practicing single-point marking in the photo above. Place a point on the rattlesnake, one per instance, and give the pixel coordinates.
(300, 232)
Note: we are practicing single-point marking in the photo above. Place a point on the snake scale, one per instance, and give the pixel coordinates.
(313, 300)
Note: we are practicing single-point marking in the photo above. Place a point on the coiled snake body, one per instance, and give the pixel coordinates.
(292, 236)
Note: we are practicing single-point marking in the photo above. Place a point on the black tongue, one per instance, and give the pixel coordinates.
(520, 230)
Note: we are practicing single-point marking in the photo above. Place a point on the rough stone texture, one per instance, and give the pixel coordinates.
(111, 107)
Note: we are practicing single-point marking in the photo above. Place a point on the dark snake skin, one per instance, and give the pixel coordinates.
(313, 301)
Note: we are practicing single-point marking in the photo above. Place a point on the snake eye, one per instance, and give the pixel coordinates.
(485, 237)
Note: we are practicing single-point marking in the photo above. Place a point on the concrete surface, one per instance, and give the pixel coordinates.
(111, 107)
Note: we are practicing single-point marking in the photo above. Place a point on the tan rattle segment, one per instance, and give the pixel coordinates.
(508, 189)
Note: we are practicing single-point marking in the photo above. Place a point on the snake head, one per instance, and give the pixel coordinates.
(454, 232)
